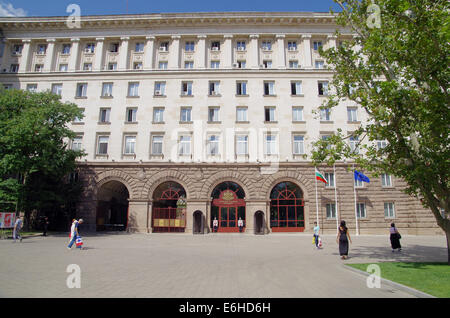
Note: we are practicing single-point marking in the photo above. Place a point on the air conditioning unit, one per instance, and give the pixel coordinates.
(163, 49)
(158, 93)
(215, 48)
(241, 48)
(292, 49)
(262, 66)
(235, 65)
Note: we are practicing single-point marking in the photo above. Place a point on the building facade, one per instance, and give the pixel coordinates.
(190, 118)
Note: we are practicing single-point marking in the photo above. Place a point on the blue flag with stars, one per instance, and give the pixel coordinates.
(361, 177)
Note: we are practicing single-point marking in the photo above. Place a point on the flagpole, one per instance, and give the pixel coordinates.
(317, 202)
(335, 198)
(354, 190)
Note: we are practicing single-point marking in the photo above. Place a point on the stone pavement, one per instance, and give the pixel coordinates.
(203, 266)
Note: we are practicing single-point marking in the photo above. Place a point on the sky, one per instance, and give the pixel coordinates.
(11, 8)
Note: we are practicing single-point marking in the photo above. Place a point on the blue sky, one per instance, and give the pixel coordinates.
(102, 7)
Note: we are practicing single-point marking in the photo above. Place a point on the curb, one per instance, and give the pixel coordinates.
(404, 288)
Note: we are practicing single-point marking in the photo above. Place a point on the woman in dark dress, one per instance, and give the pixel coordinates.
(395, 238)
(342, 239)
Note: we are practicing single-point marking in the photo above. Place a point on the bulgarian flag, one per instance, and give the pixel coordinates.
(320, 176)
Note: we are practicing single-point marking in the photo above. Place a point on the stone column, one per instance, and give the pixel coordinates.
(137, 216)
(331, 41)
(149, 53)
(74, 55)
(281, 51)
(174, 53)
(48, 64)
(123, 55)
(201, 51)
(25, 59)
(150, 217)
(251, 207)
(228, 51)
(307, 58)
(254, 51)
(5, 57)
(98, 63)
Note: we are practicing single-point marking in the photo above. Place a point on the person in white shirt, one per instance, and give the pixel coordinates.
(17, 227)
(240, 225)
(215, 224)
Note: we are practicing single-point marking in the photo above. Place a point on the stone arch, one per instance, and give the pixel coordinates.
(164, 176)
(233, 176)
(120, 176)
(295, 177)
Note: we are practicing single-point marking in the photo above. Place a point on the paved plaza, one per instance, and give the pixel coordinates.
(203, 266)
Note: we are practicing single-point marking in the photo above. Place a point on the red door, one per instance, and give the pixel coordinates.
(229, 209)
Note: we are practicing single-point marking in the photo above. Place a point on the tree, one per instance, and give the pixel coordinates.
(33, 146)
(396, 67)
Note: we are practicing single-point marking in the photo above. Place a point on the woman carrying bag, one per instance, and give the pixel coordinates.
(395, 238)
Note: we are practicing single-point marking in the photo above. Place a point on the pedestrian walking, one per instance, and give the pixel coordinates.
(240, 225)
(17, 228)
(74, 234)
(316, 234)
(45, 224)
(215, 225)
(395, 238)
(342, 239)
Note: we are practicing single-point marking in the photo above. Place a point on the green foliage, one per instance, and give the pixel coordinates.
(399, 74)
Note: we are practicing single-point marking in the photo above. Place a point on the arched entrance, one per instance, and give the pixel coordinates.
(228, 206)
(112, 207)
(169, 208)
(199, 223)
(259, 222)
(287, 208)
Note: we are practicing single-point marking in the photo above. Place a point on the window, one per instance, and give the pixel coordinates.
(323, 88)
(293, 64)
(185, 145)
(331, 210)
(241, 88)
(77, 143)
(299, 145)
(87, 67)
(326, 137)
(215, 64)
(114, 47)
(158, 115)
(112, 66)
(317, 45)
(133, 89)
(17, 49)
(292, 46)
(213, 145)
(130, 145)
(90, 48)
(215, 46)
(14, 68)
(329, 176)
(269, 88)
(160, 88)
(57, 89)
(104, 116)
(32, 88)
(41, 49)
(354, 144)
(107, 89)
(270, 144)
(186, 88)
(131, 115)
(325, 114)
(389, 210)
(319, 64)
(213, 114)
(352, 114)
(66, 49)
(139, 48)
(7, 86)
(164, 46)
(185, 115)
(189, 65)
(81, 89)
(102, 148)
(79, 119)
(240, 45)
(267, 64)
(63, 67)
(214, 88)
(241, 64)
(386, 180)
(269, 114)
(189, 46)
(157, 145)
(297, 113)
(241, 114)
(266, 45)
(39, 67)
(162, 65)
(296, 88)
(381, 144)
(358, 183)
(137, 66)
(241, 145)
(361, 210)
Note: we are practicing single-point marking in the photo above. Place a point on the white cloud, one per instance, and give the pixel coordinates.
(7, 10)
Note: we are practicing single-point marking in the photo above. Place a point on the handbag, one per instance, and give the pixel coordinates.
(314, 240)
(79, 241)
(399, 236)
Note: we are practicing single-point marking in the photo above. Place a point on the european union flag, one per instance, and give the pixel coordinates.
(359, 176)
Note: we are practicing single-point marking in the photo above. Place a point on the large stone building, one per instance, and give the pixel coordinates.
(191, 117)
